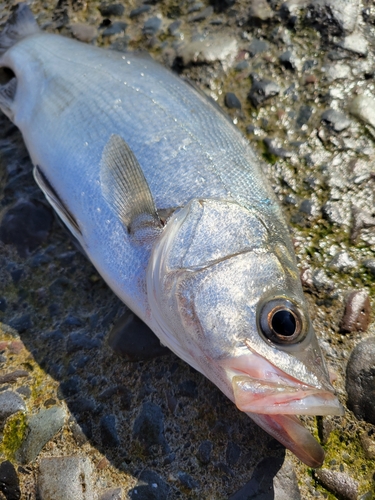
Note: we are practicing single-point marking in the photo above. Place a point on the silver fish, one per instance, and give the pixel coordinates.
(117, 140)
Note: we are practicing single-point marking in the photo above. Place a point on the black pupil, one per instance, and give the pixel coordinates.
(284, 323)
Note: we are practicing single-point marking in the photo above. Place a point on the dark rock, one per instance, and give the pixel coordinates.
(308, 65)
(338, 483)
(71, 386)
(360, 380)
(21, 323)
(232, 101)
(139, 10)
(357, 312)
(115, 28)
(232, 453)
(222, 5)
(202, 15)
(3, 304)
(111, 494)
(108, 431)
(336, 120)
(150, 486)
(188, 388)
(370, 266)
(9, 482)
(149, 426)
(272, 478)
(257, 47)
(342, 262)
(113, 9)
(174, 27)
(10, 403)
(133, 339)
(82, 405)
(77, 341)
(11, 377)
(333, 17)
(26, 226)
(187, 481)
(152, 26)
(289, 60)
(304, 115)
(261, 90)
(120, 391)
(204, 452)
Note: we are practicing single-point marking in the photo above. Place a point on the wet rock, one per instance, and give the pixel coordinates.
(41, 428)
(262, 90)
(113, 9)
(355, 43)
(360, 380)
(363, 107)
(188, 389)
(152, 26)
(333, 16)
(289, 60)
(139, 10)
(150, 486)
(108, 431)
(338, 483)
(149, 426)
(78, 341)
(26, 226)
(84, 32)
(9, 482)
(10, 403)
(368, 446)
(71, 386)
(260, 9)
(187, 481)
(210, 49)
(232, 101)
(304, 114)
(204, 452)
(115, 28)
(111, 494)
(132, 339)
(257, 47)
(65, 478)
(272, 478)
(336, 120)
(357, 312)
(370, 266)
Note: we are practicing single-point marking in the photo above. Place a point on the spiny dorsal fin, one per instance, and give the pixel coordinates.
(20, 24)
(126, 190)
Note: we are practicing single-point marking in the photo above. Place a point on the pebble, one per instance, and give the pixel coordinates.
(149, 426)
(113, 9)
(222, 5)
(26, 226)
(41, 428)
(370, 266)
(355, 43)
(368, 446)
(139, 10)
(207, 12)
(132, 339)
(257, 47)
(336, 120)
(21, 323)
(213, 48)
(289, 60)
(204, 452)
(108, 431)
(342, 262)
(360, 380)
(84, 32)
(65, 478)
(187, 481)
(152, 26)
(332, 16)
(338, 71)
(115, 28)
(261, 90)
(111, 494)
(78, 341)
(150, 486)
(304, 114)
(363, 107)
(338, 483)
(272, 478)
(232, 101)
(260, 10)
(9, 482)
(10, 403)
(357, 313)
(274, 148)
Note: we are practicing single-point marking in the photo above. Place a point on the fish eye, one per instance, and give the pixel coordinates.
(282, 322)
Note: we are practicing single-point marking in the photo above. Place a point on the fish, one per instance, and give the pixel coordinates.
(171, 205)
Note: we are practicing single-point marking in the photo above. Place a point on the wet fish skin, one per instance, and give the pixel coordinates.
(115, 139)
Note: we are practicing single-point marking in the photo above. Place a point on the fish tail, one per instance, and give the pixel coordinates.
(20, 24)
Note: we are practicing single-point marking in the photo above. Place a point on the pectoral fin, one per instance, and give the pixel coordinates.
(126, 190)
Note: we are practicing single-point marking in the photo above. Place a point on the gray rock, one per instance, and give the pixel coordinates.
(113, 9)
(213, 48)
(370, 266)
(187, 481)
(204, 452)
(262, 90)
(65, 478)
(357, 313)
(10, 403)
(111, 494)
(232, 101)
(337, 71)
(84, 32)
(363, 107)
(339, 483)
(149, 426)
(274, 148)
(289, 60)
(232, 453)
(272, 478)
(334, 16)
(336, 120)
(41, 428)
(152, 26)
(202, 15)
(9, 482)
(108, 431)
(356, 43)
(150, 486)
(360, 380)
(257, 47)
(139, 10)
(304, 114)
(78, 341)
(115, 28)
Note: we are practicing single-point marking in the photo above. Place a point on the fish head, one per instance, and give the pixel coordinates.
(225, 295)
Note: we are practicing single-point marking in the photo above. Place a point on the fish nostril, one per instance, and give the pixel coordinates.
(6, 75)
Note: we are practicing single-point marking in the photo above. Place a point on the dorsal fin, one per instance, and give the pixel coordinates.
(20, 24)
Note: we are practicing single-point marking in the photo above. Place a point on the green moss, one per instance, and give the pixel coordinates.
(14, 434)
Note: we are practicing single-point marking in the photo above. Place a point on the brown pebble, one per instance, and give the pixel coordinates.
(102, 464)
(13, 376)
(368, 446)
(16, 346)
(84, 32)
(3, 346)
(357, 312)
(338, 483)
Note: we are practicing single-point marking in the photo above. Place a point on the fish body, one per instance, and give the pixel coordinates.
(117, 141)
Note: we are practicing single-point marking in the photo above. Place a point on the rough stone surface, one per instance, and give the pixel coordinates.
(338, 483)
(9, 482)
(150, 486)
(10, 403)
(357, 312)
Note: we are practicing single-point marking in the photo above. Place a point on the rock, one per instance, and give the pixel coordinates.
(222, 5)
(338, 71)
(272, 478)
(9, 482)
(188, 389)
(289, 60)
(360, 380)
(65, 478)
(41, 428)
(370, 266)
(357, 312)
(115, 28)
(26, 226)
(139, 10)
(260, 10)
(355, 43)
(78, 341)
(187, 481)
(108, 431)
(213, 48)
(368, 446)
(274, 148)
(232, 453)
(336, 120)
(149, 426)
(152, 26)
(342, 262)
(113, 9)
(150, 486)
(304, 114)
(132, 339)
(84, 32)
(204, 452)
(257, 47)
(262, 90)
(202, 15)
(111, 494)
(338, 483)
(363, 107)
(10, 403)
(70, 386)
(232, 101)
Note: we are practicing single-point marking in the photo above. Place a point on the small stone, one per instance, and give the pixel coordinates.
(111, 494)
(108, 431)
(274, 148)
(363, 107)
(232, 453)
(304, 114)
(368, 446)
(21, 323)
(202, 15)
(338, 71)
(9, 482)
(149, 426)
(360, 380)
(342, 262)
(336, 120)
(77, 341)
(257, 47)
(355, 43)
(10, 403)
(289, 60)
(188, 389)
(210, 49)
(174, 27)
(113, 9)
(70, 386)
(187, 481)
(115, 28)
(260, 10)
(11, 377)
(357, 312)
(262, 90)
(65, 478)
(152, 26)
(204, 452)
(338, 483)
(150, 486)
(84, 32)
(139, 10)
(370, 266)
(232, 101)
